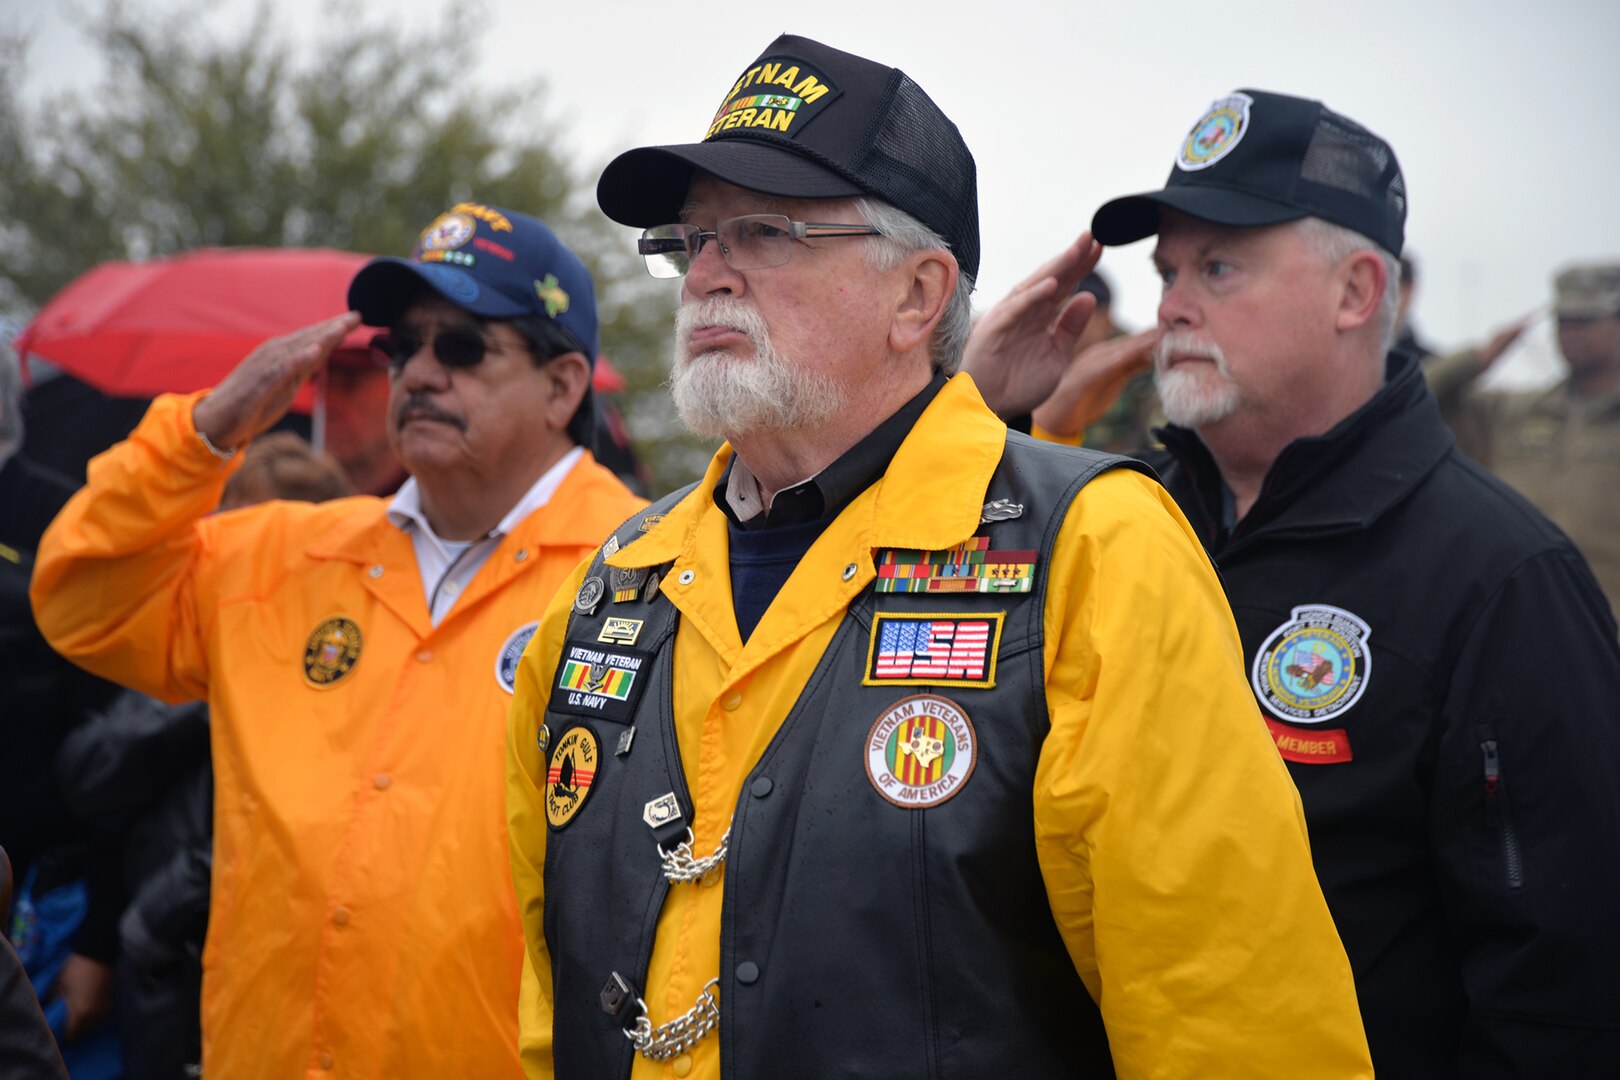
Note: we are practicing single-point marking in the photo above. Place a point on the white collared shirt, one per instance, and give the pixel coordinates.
(447, 566)
(744, 491)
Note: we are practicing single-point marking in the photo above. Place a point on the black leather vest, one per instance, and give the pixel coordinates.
(860, 936)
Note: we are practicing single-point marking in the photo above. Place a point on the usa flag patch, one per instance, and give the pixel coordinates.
(909, 649)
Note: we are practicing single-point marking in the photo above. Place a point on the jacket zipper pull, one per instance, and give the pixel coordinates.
(1493, 766)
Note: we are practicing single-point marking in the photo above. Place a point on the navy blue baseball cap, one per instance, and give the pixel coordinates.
(489, 262)
(1255, 158)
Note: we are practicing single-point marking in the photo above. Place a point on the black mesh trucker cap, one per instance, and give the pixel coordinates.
(808, 121)
(1255, 158)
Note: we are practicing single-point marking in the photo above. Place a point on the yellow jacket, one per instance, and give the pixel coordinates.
(363, 922)
(1169, 836)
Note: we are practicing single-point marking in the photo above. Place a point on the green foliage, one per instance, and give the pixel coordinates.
(200, 139)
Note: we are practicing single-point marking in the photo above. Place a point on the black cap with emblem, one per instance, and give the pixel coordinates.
(1255, 158)
(808, 121)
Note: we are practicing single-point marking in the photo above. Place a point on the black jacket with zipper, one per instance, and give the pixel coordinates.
(1461, 773)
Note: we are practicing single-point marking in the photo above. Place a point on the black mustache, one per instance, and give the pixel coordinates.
(420, 407)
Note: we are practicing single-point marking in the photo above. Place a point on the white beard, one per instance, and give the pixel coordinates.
(721, 395)
(1194, 395)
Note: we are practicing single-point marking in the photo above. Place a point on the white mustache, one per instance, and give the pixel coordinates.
(718, 311)
(1187, 343)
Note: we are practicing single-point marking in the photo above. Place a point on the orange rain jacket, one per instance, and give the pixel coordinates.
(363, 921)
(1170, 837)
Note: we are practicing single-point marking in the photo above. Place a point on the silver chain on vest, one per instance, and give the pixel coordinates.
(681, 865)
(680, 1034)
(685, 1031)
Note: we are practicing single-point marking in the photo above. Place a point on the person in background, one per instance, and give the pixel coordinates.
(27, 1046)
(64, 917)
(357, 390)
(1559, 447)
(357, 656)
(1128, 423)
(1406, 336)
(140, 771)
(1434, 660)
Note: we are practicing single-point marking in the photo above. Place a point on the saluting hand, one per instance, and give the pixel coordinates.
(260, 389)
(1502, 341)
(1092, 384)
(1021, 347)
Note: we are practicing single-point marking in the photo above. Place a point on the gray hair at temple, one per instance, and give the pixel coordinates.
(11, 398)
(903, 234)
(1335, 243)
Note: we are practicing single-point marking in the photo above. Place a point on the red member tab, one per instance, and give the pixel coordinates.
(1308, 746)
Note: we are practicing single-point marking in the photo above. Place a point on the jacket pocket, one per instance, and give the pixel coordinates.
(1500, 810)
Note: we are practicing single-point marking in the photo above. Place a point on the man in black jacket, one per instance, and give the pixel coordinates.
(1433, 657)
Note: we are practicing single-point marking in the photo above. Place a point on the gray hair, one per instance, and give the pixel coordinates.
(902, 235)
(1335, 243)
(11, 395)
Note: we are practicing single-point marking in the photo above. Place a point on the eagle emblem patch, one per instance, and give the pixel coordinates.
(331, 652)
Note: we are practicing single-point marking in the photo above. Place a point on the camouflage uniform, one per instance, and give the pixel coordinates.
(1559, 449)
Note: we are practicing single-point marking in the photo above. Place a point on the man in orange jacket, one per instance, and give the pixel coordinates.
(358, 655)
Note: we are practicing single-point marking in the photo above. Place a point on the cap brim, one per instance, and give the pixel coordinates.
(1130, 218)
(648, 186)
(382, 288)
(1585, 309)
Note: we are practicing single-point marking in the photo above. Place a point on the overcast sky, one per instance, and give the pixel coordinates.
(1502, 114)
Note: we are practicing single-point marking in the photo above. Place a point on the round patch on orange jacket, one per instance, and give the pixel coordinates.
(331, 652)
(571, 774)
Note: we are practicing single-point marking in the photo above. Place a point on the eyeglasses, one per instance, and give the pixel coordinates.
(752, 242)
(453, 346)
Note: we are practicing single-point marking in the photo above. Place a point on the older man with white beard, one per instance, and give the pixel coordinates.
(862, 753)
(1435, 660)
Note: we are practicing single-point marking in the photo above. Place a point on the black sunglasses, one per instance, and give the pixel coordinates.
(453, 346)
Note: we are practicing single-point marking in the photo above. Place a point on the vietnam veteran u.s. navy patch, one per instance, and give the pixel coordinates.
(909, 649)
(593, 680)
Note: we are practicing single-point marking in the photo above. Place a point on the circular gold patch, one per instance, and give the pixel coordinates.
(570, 775)
(331, 652)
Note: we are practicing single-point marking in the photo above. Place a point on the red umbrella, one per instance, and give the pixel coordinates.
(607, 379)
(181, 323)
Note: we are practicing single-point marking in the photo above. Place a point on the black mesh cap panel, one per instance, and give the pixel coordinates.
(915, 159)
(1345, 168)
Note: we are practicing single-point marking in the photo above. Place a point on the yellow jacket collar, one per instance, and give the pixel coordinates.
(929, 498)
